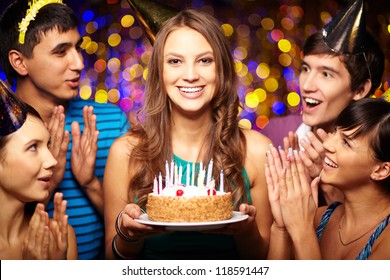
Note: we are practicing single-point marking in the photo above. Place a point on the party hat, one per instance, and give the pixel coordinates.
(386, 95)
(13, 113)
(151, 15)
(346, 33)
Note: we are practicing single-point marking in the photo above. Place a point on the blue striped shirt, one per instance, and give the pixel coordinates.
(86, 221)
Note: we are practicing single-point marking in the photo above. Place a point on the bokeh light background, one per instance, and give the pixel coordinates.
(266, 37)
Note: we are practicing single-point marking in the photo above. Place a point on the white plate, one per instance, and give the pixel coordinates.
(237, 217)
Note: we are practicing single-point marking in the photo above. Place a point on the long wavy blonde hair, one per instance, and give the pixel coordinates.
(225, 142)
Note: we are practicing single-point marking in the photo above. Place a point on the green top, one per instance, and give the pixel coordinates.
(181, 245)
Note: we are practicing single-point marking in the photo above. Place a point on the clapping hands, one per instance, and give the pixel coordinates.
(292, 197)
(47, 239)
(59, 144)
(84, 148)
(313, 152)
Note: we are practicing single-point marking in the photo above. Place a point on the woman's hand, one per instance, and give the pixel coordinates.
(131, 228)
(273, 172)
(298, 198)
(36, 243)
(59, 229)
(314, 152)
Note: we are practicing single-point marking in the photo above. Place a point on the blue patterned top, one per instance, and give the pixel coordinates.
(86, 221)
(366, 251)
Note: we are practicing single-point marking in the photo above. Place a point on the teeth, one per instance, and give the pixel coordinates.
(191, 89)
(312, 101)
(330, 163)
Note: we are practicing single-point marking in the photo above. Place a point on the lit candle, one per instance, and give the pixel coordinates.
(159, 183)
(171, 174)
(176, 176)
(155, 187)
(221, 181)
(180, 175)
(193, 174)
(188, 174)
(209, 171)
(167, 183)
(201, 178)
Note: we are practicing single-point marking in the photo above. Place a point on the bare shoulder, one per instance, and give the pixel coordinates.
(320, 211)
(380, 249)
(256, 141)
(123, 146)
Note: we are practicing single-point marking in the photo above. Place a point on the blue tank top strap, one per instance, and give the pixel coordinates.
(366, 251)
(325, 219)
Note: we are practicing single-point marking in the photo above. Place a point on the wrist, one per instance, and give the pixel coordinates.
(119, 230)
(92, 185)
(279, 230)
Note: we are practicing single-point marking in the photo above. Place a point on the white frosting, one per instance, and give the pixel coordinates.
(188, 191)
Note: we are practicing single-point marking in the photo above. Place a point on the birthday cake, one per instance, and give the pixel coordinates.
(188, 202)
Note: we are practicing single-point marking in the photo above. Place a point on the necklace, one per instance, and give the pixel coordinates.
(356, 239)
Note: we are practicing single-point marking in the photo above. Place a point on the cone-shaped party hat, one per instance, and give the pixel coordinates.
(13, 113)
(151, 15)
(346, 33)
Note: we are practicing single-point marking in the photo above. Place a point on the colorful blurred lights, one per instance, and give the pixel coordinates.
(252, 100)
(261, 94)
(101, 96)
(113, 95)
(245, 123)
(127, 20)
(263, 71)
(278, 108)
(271, 84)
(114, 39)
(85, 92)
(284, 45)
(293, 99)
(227, 29)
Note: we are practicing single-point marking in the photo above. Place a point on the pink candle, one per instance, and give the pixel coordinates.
(155, 187)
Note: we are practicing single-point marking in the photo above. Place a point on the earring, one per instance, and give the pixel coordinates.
(373, 178)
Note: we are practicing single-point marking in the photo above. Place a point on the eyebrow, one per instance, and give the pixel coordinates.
(198, 55)
(322, 67)
(347, 136)
(66, 45)
(32, 141)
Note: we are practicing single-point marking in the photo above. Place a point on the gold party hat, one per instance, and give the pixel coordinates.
(151, 15)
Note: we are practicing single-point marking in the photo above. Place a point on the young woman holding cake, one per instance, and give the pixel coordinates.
(357, 162)
(190, 117)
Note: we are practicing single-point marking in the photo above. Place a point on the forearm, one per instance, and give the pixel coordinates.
(250, 244)
(306, 246)
(94, 191)
(124, 249)
(280, 247)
